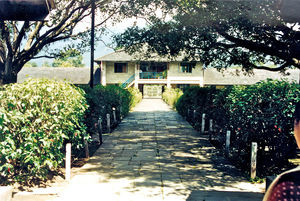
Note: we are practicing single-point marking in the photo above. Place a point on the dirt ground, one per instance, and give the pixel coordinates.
(47, 191)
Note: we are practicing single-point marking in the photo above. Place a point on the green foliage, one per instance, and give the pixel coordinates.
(31, 64)
(195, 98)
(37, 118)
(136, 96)
(69, 58)
(261, 113)
(46, 64)
(103, 99)
(171, 96)
(222, 33)
(65, 26)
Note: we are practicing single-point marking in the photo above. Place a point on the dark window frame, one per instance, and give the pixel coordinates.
(119, 68)
(186, 67)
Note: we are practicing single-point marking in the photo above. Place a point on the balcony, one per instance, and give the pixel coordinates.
(153, 75)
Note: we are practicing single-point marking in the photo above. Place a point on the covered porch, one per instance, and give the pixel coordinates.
(153, 70)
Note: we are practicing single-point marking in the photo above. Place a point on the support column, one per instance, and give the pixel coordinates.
(201, 83)
(137, 75)
(103, 73)
(168, 83)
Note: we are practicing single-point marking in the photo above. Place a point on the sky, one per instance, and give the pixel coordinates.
(101, 48)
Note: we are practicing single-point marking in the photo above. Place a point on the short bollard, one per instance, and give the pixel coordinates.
(210, 129)
(194, 116)
(227, 145)
(121, 113)
(86, 147)
(68, 162)
(114, 115)
(211, 125)
(100, 130)
(203, 124)
(108, 122)
(253, 159)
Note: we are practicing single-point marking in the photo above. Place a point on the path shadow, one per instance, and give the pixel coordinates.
(224, 196)
(159, 149)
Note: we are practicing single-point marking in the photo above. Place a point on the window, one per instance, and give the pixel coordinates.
(121, 68)
(186, 67)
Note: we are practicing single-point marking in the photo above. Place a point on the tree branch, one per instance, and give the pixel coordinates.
(33, 35)
(258, 47)
(282, 67)
(22, 33)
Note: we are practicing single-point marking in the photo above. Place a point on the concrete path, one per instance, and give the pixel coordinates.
(156, 155)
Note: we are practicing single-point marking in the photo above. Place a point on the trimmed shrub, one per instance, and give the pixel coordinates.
(171, 96)
(261, 113)
(37, 118)
(196, 98)
(102, 99)
(136, 96)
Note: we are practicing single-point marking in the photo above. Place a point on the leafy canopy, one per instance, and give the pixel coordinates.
(263, 34)
(70, 58)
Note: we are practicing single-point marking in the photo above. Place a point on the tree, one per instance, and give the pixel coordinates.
(31, 64)
(23, 41)
(70, 58)
(261, 34)
(46, 64)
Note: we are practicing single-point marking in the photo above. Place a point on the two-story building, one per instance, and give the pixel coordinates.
(150, 75)
(153, 73)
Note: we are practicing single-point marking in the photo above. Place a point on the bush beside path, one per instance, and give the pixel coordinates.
(38, 117)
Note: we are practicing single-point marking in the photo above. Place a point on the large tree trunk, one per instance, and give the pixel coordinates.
(9, 78)
(7, 73)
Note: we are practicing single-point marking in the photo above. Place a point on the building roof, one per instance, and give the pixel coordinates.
(122, 56)
(229, 77)
(74, 75)
(116, 56)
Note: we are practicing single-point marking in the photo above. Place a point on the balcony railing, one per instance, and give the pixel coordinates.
(153, 75)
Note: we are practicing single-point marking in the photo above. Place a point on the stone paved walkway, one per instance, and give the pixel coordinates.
(156, 155)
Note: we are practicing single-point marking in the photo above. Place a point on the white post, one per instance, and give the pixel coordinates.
(203, 124)
(210, 129)
(87, 152)
(100, 129)
(253, 159)
(114, 115)
(103, 73)
(68, 162)
(211, 125)
(136, 75)
(227, 146)
(108, 122)
(121, 113)
(195, 114)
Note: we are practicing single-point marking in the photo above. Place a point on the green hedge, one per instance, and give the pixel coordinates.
(102, 99)
(171, 96)
(36, 119)
(261, 113)
(39, 116)
(136, 96)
